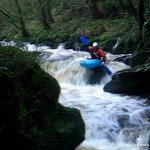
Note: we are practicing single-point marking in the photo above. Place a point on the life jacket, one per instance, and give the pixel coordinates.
(97, 53)
(101, 52)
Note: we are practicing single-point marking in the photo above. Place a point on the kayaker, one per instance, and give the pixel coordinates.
(97, 52)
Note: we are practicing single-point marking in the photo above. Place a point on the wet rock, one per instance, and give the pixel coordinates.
(70, 129)
(48, 43)
(125, 59)
(69, 45)
(96, 75)
(133, 81)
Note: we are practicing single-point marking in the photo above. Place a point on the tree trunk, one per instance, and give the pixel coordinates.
(44, 19)
(121, 4)
(141, 21)
(132, 9)
(147, 9)
(104, 5)
(94, 10)
(48, 10)
(62, 4)
(9, 18)
(148, 3)
(141, 11)
(22, 22)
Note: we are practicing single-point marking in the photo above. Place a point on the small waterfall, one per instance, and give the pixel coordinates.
(67, 71)
(117, 43)
(113, 121)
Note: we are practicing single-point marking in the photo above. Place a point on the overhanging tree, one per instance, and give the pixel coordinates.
(8, 17)
(132, 9)
(23, 28)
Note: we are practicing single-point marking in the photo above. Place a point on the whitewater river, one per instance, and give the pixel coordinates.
(113, 121)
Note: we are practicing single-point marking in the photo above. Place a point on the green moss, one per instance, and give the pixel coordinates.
(64, 128)
(69, 126)
(29, 111)
(25, 87)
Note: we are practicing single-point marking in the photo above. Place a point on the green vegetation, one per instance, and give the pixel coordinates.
(63, 21)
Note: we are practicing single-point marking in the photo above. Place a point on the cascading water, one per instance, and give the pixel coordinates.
(113, 121)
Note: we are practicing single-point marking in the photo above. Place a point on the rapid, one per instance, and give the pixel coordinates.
(113, 121)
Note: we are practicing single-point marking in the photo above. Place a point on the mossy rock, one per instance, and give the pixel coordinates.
(29, 104)
(69, 129)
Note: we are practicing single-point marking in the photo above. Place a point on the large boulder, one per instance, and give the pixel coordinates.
(30, 116)
(126, 59)
(133, 81)
(69, 127)
(96, 75)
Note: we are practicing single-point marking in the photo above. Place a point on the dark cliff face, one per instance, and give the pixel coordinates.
(30, 115)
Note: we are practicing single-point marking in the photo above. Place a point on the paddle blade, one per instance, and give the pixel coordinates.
(106, 69)
(84, 40)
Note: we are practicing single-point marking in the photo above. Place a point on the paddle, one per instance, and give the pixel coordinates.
(85, 42)
(106, 70)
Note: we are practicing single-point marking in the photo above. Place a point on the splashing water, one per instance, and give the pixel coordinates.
(117, 43)
(113, 121)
